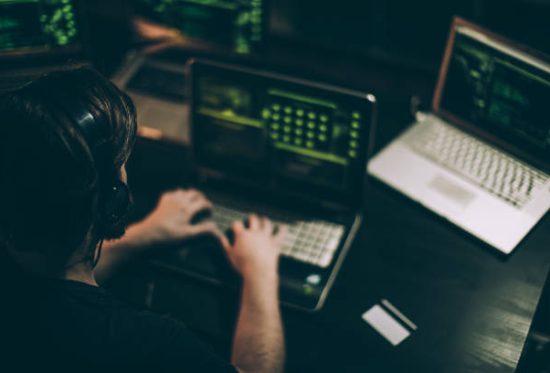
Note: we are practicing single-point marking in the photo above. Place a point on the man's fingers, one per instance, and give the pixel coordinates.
(180, 192)
(237, 227)
(194, 195)
(210, 228)
(199, 205)
(185, 194)
(223, 241)
(281, 233)
(174, 197)
(253, 221)
(203, 228)
(267, 226)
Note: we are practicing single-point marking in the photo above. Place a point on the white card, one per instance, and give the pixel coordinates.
(386, 325)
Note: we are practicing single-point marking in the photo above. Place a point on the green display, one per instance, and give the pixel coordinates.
(261, 125)
(228, 103)
(238, 24)
(504, 92)
(37, 24)
(312, 126)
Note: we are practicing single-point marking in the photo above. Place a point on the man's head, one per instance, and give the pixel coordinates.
(54, 184)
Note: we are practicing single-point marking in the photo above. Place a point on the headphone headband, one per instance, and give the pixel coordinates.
(94, 130)
(115, 196)
(87, 124)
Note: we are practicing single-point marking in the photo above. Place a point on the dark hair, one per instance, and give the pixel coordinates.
(50, 184)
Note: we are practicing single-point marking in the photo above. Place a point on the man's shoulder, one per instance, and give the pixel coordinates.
(97, 320)
(165, 339)
(124, 320)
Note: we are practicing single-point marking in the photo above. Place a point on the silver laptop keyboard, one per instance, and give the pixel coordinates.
(501, 175)
(314, 242)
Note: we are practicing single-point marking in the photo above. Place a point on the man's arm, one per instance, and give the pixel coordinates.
(258, 344)
(169, 223)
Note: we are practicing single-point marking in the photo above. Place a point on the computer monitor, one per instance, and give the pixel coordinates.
(282, 134)
(238, 25)
(39, 27)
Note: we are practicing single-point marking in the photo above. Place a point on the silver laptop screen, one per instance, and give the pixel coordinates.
(502, 90)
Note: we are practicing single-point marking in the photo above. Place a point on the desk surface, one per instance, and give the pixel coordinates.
(473, 307)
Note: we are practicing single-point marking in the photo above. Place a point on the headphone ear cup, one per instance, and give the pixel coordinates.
(116, 207)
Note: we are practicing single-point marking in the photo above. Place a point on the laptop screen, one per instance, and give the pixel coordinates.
(38, 26)
(503, 91)
(283, 135)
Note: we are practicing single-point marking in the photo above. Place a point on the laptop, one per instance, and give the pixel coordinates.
(481, 157)
(39, 36)
(292, 150)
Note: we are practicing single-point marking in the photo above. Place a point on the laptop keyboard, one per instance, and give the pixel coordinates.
(312, 242)
(159, 82)
(501, 175)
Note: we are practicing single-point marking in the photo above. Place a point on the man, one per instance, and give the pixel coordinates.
(64, 142)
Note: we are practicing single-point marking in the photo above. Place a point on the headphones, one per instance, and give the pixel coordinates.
(114, 194)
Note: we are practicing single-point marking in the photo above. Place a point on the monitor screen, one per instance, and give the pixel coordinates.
(285, 134)
(38, 25)
(236, 24)
(502, 90)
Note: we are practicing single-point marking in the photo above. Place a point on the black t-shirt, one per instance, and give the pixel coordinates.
(57, 326)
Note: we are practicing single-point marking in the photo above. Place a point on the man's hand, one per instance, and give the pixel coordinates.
(153, 31)
(258, 345)
(170, 221)
(255, 252)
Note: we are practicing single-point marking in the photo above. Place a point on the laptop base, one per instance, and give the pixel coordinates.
(449, 195)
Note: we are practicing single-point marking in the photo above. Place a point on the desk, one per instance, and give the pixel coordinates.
(472, 306)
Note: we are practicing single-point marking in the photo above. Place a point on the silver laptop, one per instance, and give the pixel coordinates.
(481, 158)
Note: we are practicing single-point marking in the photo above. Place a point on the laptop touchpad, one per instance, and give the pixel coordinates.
(451, 190)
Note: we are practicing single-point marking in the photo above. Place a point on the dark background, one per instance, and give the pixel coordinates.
(402, 33)
(392, 48)
(405, 33)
